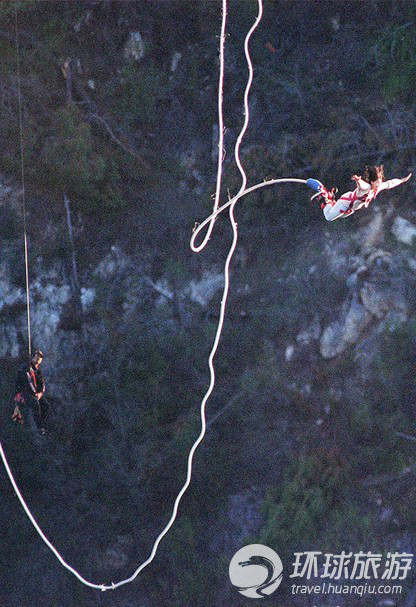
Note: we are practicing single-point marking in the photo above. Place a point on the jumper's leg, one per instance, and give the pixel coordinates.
(315, 184)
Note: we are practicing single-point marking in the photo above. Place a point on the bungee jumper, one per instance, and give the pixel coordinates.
(366, 190)
(29, 393)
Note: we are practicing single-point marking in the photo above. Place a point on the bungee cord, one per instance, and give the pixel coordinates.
(232, 202)
(221, 128)
(243, 191)
(210, 220)
(35, 524)
(246, 107)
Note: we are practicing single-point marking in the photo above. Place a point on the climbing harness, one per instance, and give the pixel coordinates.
(328, 196)
(366, 199)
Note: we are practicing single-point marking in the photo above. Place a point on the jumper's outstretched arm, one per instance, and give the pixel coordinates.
(393, 183)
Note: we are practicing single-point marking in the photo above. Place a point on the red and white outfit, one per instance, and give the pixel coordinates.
(350, 202)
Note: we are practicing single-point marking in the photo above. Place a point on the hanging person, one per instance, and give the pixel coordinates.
(366, 190)
(29, 393)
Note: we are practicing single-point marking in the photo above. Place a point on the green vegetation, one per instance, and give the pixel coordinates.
(395, 54)
(138, 94)
(68, 139)
(314, 504)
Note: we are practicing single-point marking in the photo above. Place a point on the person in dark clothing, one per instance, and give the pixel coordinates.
(30, 390)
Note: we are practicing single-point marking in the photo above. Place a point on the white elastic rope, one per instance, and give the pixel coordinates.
(35, 524)
(246, 107)
(242, 188)
(221, 129)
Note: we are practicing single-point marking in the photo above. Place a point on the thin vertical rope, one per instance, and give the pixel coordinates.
(221, 129)
(22, 165)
